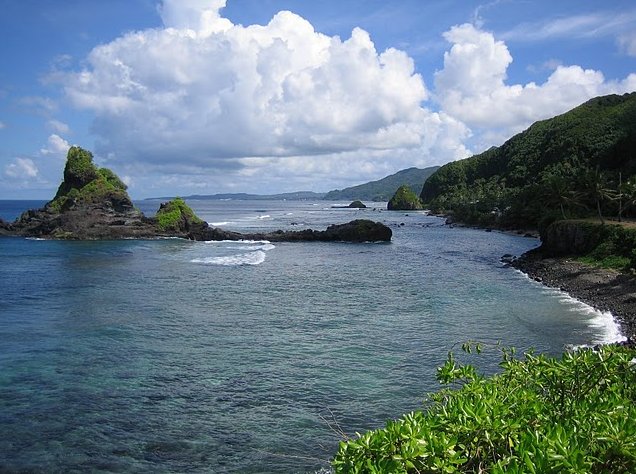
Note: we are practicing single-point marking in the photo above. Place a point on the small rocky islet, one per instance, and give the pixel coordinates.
(92, 203)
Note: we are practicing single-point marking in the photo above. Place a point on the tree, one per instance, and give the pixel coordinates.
(595, 184)
(557, 190)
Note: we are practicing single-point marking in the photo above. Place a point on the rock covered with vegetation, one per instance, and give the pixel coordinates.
(577, 164)
(404, 199)
(541, 414)
(92, 203)
(177, 216)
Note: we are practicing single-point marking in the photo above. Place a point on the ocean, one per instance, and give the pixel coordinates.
(250, 357)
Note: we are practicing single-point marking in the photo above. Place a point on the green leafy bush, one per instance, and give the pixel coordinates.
(576, 414)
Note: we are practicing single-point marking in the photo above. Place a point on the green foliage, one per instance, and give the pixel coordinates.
(611, 246)
(404, 199)
(569, 164)
(576, 414)
(112, 179)
(78, 171)
(383, 189)
(175, 214)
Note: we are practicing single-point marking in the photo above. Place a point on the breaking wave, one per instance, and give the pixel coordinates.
(250, 258)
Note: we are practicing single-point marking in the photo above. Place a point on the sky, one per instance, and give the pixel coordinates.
(183, 97)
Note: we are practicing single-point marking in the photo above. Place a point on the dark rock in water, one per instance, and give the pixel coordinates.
(360, 230)
(5, 226)
(357, 205)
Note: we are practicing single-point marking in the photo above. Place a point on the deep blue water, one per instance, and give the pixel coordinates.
(176, 356)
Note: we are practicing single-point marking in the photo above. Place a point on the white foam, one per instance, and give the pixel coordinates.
(263, 246)
(250, 258)
(266, 216)
(219, 224)
(605, 327)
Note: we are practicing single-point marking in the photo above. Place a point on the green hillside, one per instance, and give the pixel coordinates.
(577, 164)
(384, 189)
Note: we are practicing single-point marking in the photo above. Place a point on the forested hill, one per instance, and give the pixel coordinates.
(384, 189)
(575, 164)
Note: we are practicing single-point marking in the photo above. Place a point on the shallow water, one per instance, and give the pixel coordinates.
(176, 356)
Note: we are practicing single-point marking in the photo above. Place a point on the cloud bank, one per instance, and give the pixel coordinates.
(227, 106)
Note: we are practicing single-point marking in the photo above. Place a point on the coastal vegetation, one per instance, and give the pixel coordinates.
(541, 414)
(173, 215)
(578, 164)
(609, 245)
(404, 199)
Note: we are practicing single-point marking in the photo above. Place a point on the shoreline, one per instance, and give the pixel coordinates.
(603, 289)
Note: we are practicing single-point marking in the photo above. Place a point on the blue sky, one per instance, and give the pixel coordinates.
(190, 96)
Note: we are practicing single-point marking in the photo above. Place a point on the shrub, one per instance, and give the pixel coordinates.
(575, 414)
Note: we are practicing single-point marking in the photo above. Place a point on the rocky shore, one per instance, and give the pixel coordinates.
(604, 289)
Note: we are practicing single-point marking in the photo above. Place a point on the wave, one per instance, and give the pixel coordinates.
(605, 327)
(263, 246)
(250, 258)
(219, 224)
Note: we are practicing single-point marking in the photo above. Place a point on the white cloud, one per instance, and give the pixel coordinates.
(56, 146)
(21, 169)
(58, 127)
(591, 25)
(472, 87)
(627, 43)
(203, 93)
(2, 125)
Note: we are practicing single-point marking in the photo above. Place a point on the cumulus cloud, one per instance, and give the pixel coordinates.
(472, 86)
(204, 92)
(210, 104)
(56, 146)
(21, 169)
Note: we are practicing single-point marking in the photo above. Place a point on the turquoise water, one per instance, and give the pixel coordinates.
(176, 356)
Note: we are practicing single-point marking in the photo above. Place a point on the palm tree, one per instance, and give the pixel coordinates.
(595, 184)
(559, 191)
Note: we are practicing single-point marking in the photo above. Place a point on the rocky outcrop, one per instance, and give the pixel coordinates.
(404, 199)
(92, 204)
(357, 205)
